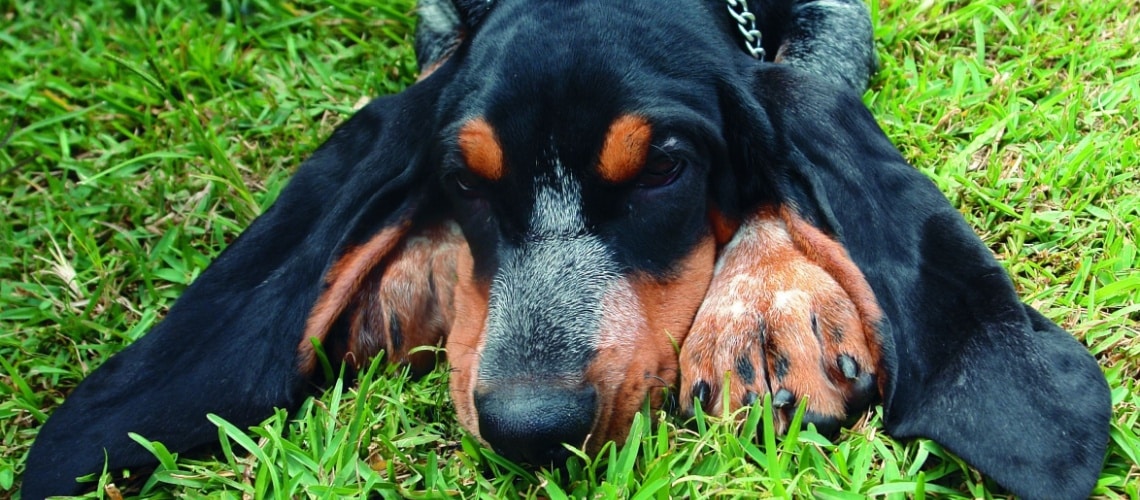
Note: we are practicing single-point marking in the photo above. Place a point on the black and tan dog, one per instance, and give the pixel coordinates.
(590, 201)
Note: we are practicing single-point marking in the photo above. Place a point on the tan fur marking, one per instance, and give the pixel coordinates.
(723, 228)
(781, 52)
(781, 291)
(833, 258)
(625, 149)
(644, 324)
(414, 288)
(431, 68)
(465, 342)
(343, 281)
(480, 148)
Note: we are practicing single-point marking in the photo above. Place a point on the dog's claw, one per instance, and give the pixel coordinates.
(848, 366)
(749, 398)
(701, 393)
(782, 398)
(671, 404)
(864, 391)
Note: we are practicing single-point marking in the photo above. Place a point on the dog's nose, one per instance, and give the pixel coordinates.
(529, 423)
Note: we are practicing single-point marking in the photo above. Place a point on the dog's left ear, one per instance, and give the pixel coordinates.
(970, 366)
(443, 25)
(236, 342)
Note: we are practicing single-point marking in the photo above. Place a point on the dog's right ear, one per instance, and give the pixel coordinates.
(967, 363)
(235, 343)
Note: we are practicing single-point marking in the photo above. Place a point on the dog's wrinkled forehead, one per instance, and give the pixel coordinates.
(548, 68)
(553, 27)
(550, 82)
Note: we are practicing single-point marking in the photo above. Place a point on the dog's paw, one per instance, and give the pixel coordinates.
(788, 314)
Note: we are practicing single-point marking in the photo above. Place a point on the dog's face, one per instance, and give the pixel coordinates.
(581, 180)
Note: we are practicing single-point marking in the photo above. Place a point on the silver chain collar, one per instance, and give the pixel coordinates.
(746, 22)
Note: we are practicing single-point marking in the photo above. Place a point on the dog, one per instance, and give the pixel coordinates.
(589, 202)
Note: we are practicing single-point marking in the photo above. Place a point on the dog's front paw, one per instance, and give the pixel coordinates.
(788, 314)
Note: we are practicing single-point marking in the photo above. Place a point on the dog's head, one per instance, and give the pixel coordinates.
(580, 147)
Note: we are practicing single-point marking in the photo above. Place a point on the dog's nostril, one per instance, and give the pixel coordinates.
(530, 423)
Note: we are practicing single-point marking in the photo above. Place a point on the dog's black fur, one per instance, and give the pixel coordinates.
(964, 361)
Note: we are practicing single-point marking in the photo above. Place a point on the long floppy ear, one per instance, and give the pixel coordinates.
(443, 25)
(230, 344)
(970, 365)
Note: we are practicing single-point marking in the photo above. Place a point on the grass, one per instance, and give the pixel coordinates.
(138, 138)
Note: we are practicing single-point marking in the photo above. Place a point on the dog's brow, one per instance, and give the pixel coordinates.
(481, 150)
(625, 149)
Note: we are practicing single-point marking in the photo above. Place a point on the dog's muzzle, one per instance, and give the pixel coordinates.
(528, 422)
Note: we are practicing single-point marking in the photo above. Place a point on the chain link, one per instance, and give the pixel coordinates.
(746, 22)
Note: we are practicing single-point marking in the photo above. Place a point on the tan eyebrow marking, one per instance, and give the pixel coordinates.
(625, 149)
(481, 150)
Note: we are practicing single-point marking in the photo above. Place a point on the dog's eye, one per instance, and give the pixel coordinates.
(466, 184)
(660, 172)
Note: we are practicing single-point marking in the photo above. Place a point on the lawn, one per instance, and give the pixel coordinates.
(138, 138)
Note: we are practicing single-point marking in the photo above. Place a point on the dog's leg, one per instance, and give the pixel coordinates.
(788, 314)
